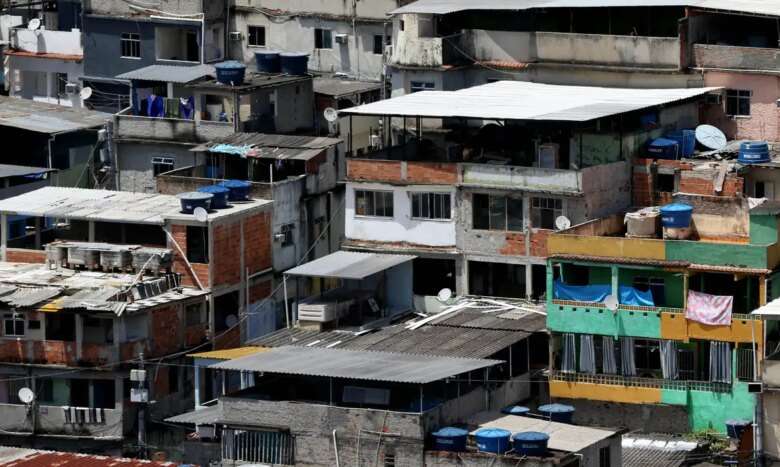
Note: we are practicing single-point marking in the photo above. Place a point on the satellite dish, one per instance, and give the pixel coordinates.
(331, 114)
(34, 24)
(201, 214)
(444, 295)
(26, 395)
(85, 93)
(710, 137)
(562, 223)
(231, 321)
(611, 302)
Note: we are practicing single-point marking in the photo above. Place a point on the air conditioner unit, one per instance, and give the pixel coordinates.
(235, 35)
(71, 88)
(137, 375)
(547, 155)
(341, 38)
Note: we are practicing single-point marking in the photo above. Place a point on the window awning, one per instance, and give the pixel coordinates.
(349, 265)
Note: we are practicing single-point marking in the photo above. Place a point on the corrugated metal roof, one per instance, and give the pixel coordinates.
(170, 73)
(521, 321)
(25, 297)
(336, 88)
(46, 118)
(519, 100)
(267, 146)
(760, 7)
(7, 170)
(349, 265)
(656, 452)
(252, 81)
(229, 354)
(204, 416)
(563, 436)
(354, 364)
(35, 458)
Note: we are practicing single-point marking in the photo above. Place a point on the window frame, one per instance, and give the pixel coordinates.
(130, 42)
(381, 43)
(373, 207)
(419, 86)
(249, 34)
(734, 100)
(537, 208)
(494, 199)
(435, 201)
(323, 39)
(203, 252)
(162, 160)
(17, 321)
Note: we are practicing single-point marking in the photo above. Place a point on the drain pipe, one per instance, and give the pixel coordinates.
(336, 448)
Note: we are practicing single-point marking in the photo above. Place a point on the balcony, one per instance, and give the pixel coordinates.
(53, 420)
(129, 127)
(66, 44)
(193, 177)
(735, 57)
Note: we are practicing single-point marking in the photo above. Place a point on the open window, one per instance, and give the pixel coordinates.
(61, 327)
(179, 44)
(197, 244)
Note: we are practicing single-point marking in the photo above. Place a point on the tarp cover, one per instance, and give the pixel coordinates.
(597, 293)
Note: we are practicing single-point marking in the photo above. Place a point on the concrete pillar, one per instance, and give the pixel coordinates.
(79, 323)
(615, 282)
(529, 280)
(762, 291)
(50, 83)
(196, 378)
(91, 231)
(170, 90)
(4, 236)
(550, 279)
(37, 233)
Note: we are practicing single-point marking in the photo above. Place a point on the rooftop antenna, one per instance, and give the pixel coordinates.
(331, 114)
(34, 24)
(85, 93)
(562, 223)
(201, 214)
(26, 395)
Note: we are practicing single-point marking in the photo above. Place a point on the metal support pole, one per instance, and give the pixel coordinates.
(141, 415)
(286, 303)
(421, 398)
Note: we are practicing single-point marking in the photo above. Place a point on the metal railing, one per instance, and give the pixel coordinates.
(629, 381)
(272, 447)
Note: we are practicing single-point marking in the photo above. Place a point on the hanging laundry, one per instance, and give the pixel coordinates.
(709, 309)
(187, 108)
(156, 106)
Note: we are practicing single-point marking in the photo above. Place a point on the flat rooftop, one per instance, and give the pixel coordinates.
(337, 88)
(519, 100)
(252, 82)
(269, 146)
(112, 206)
(40, 117)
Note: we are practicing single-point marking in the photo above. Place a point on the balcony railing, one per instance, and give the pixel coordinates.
(736, 58)
(128, 126)
(636, 382)
(623, 307)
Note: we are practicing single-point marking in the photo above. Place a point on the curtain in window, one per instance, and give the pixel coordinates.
(720, 362)
(669, 366)
(627, 362)
(609, 365)
(587, 354)
(569, 361)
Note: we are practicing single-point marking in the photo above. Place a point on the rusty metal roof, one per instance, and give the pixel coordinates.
(229, 354)
(19, 457)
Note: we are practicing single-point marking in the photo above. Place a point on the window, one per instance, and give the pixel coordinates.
(431, 206)
(604, 459)
(665, 183)
(197, 244)
(497, 213)
(13, 325)
(378, 44)
(374, 203)
(417, 86)
(193, 315)
(287, 232)
(256, 36)
(745, 362)
(544, 211)
(131, 45)
(323, 39)
(61, 327)
(34, 324)
(647, 356)
(161, 165)
(738, 102)
(62, 82)
(401, 25)
(764, 190)
(655, 285)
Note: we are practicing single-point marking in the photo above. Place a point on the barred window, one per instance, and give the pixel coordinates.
(544, 211)
(431, 206)
(374, 203)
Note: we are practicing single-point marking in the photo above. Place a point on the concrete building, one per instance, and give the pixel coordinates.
(713, 43)
(472, 182)
(228, 254)
(340, 37)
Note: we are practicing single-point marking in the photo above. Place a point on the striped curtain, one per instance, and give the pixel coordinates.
(587, 354)
(720, 362)
(569, 361)
(669, 366)
(609, 365)
(627, 362)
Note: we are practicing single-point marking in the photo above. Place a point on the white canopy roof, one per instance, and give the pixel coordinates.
(349, 265)
(520, 100)
(771, 309)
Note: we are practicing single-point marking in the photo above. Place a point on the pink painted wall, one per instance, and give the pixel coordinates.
(764, 121)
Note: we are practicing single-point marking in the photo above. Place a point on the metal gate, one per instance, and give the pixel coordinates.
(270, 447)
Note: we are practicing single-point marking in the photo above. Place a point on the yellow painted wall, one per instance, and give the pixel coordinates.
(605, 392)
(606, 246)
(674, 326)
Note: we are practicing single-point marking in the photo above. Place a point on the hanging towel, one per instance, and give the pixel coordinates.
(569, 360)
(709, 309)
(587, 354)
(608, 363)
(669, 359)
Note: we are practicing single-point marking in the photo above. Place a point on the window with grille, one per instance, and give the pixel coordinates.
(431, 206)
(544, 211)
(162, 164)
(131, 45)
(497, 213)
(13, 324)
(374, 203)
(738, 102)
(256, 35)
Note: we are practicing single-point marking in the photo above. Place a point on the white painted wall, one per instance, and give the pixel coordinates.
(401, 228)
(43, 41)
(6, 23)
(36, 79)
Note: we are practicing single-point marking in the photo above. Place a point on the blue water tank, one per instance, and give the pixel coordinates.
(754, 152)
(294, 63)
(676, 215)
(239, 189)
(735, 428)
(220, 199)
(268, 61)
(531, 443)
(686, 141)
(193, 200)
(662, 148)
(231, 72)
(493, 440)
(515, 410)
(450, 439)
(557, 412)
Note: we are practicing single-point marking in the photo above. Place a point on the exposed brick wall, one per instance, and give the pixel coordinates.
(179, 233)
(96, 354)
(259, 291)
(690, 181)
(227, 253)
(14, 255)
(313, 164)
(164, 335)
(57, 352)
(257, 242)
(515, 244)
(229, 339)
(161, 382)
(373, 170)
(130, 350)
(539, 242)
(13, 351)
(194, 335)
(431, 172)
